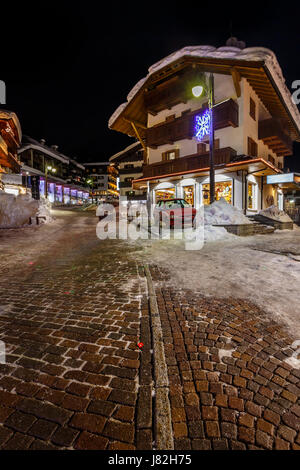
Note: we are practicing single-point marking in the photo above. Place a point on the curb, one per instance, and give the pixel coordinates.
(163, 421)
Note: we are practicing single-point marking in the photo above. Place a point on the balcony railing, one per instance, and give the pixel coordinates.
(225, 114)
(272, 133)
(189, 163)
(135, 169)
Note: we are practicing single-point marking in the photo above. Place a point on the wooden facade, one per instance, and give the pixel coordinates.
(188, 163)
(226, 114)
(10, 139)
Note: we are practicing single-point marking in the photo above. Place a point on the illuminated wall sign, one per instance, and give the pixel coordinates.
(202, 125)
(283, 178)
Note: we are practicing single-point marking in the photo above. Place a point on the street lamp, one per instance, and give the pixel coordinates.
(197, 91)
(53, 170)
(91, 183)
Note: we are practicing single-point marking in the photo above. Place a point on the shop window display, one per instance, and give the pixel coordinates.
(188, 194)
(251, 196)
(164, 194)
(222, 189)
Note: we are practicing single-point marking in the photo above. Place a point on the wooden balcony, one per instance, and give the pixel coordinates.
(135, 169)
(274, 135)
(188, 163)
(225, 114)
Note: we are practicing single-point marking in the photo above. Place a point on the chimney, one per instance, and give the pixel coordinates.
(42, 141)
(233, 42)
(54, 147)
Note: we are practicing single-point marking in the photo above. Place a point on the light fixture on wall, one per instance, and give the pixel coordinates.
(197, 91)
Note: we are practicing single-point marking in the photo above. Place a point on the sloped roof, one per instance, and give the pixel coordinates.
(251, 57)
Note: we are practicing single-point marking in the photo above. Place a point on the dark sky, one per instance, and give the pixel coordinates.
(68, 65)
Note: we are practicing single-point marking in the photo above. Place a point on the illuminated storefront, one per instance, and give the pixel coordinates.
(66, 195)
(73, 196)
(79, 197)
(189, 194)
(252, 196)
(51, 192)
(222, 189)
(58, 193)
(164, 194)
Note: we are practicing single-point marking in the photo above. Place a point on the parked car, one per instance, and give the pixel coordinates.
(177, 210)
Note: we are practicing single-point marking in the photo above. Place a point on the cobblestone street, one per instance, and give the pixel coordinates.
(70, 319)
(73, 310)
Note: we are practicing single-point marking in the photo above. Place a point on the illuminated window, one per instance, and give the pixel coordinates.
(170, 154)
(188, 194)
(252, 196)
(222, 189)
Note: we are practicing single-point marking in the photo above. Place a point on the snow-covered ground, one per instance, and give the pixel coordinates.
(262, 268)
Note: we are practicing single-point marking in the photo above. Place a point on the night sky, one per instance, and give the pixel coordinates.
(67, 65)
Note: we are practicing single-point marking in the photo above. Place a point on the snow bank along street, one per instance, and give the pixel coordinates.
(74, 308)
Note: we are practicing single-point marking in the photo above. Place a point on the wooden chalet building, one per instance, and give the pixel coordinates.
(10, 139)
(255, 124)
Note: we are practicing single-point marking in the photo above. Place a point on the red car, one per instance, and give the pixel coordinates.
(178, 211)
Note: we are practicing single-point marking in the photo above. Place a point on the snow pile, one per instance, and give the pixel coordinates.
(212, 234)
(223, 213)
(275, 214)
(15, 211)
(44, 208)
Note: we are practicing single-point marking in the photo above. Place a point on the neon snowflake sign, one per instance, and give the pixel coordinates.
(202, 126)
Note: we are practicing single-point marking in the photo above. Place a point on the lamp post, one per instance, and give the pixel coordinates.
(197, 91)
(53, 170)
(91, 183)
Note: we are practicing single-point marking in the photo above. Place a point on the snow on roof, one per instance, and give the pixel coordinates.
(132, 146)
(248, 54)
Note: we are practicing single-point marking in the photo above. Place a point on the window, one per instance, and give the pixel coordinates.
(252, 191)
(222, 189)
(252, 109)
(252, 147)
(201, 148)
(280, 166)
(170, 118)
(188, 194)
(130, 193)
(128, 179)
(271, 159)
(170, 154)
(128, 165)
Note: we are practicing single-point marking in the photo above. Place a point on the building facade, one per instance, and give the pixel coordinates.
(255, 123)
(103, 180)
(49, 173)
(130, 165)
(10, 138)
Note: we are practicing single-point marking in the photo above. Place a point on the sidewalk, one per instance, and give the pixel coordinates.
(229, 384)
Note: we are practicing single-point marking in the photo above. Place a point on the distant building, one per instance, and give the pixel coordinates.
(102, 178)
(10, 138)
(130, 164)
(65, 176)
